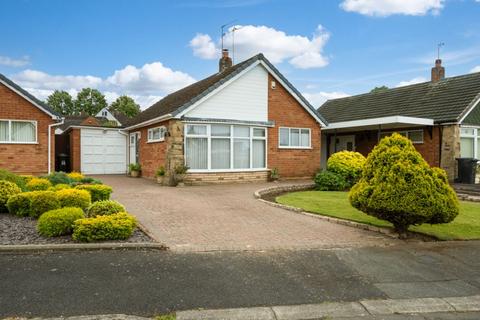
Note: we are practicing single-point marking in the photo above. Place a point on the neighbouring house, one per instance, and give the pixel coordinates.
(27, 139)
(235, 125)
(441, 117)
(92, 144)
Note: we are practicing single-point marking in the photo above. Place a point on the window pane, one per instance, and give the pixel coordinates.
(156, 134)
(416, 136)
(258, 132)
(466, 147)
(258, 154)
(196, 129)
(305, 138)
(241, 153)
(220, 131)
(465, 131)
(241, 132)
(284, 137)
(4, 131)
(294, 137)
(478, 151)
(196, 152)
(220, 153)
(23, 131)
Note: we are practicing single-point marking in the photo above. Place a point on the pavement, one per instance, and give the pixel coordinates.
(228, 217)
(148, 283)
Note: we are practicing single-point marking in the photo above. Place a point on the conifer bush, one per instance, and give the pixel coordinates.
(399, 186)
(58, 222)
(42, 201)
(104, 207)
(98, 192)
(38, 184)
(74, 198)
(19, 204)
(7, 189)
(348, 164)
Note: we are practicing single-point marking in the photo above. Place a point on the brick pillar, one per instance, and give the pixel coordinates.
(175, 155)
(450, 150)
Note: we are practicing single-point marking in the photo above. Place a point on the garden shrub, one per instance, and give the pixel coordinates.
(330, 181)
(117, 226)
(90, 180)
(38, 184)
(399, 186)
(74, 198)
(76, 176)
(104, 207)
(7, 189)
(98, 191)
(19, 204)
(58, 222)
(42, 201)
(26, 177)
(59, 186)
(348, 164)
(9, 176)
(59, 178)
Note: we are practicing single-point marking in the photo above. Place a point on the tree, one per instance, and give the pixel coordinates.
(379, 89)
(90, 101)
(399, 186)
(125, 105)
(61, 102)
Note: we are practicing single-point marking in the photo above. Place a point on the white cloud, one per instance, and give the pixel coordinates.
(10, 62)
(300, 51)
(41, 80)
(477, 68)
(318, 98)
(383, 8)
(412, 81)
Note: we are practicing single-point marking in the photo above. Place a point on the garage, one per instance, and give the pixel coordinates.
(103, 151)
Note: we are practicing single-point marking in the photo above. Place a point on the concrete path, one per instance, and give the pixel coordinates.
(228, 217)
(148, 283)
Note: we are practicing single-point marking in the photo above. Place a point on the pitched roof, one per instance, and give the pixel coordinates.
(178, 101)
(444, 101)
(39, 104)
(80, 120)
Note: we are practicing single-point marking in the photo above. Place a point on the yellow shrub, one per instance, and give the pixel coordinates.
(77, 176)
(348, 164)
(38, 184)
(74, 198)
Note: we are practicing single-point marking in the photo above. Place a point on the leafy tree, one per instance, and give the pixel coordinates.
(125, 105)
(90, 101)
(399, 186)
(61, 102)
(379, 89)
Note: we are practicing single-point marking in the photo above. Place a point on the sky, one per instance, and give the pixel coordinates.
(149, 48)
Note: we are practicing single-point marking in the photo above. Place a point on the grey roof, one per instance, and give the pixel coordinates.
(43, 105)
(179, 100)
(444, 101)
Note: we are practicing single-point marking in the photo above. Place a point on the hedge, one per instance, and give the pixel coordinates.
(104, 207)
(118, 226)
(98, 192)
(7, 189)
(74, 198)
(58, 222)
(38, 184)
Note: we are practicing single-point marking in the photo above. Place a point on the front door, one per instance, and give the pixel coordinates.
(342, 143)
(134, 146)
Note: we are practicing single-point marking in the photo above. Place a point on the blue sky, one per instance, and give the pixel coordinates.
(149, 48)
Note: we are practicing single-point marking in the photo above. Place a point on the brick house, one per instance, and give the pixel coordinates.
(441, 117)
(235, 125)
(27, 125)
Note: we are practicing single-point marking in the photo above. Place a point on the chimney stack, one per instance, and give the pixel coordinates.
(438, 72)
(225, 61)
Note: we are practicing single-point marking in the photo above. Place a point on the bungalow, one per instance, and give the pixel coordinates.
(235, 125)
(441, 117)
(26, 131)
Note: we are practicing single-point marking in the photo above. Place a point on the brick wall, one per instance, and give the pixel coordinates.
(287, 112)
(226, 177)
(75, 155)
(25, 158)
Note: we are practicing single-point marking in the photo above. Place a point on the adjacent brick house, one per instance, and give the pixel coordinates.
(27, 144)
(441, 117)
(235, 125)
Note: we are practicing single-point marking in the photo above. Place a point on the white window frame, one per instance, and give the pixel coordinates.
(209, 137)
(475, 136)
(34, 122)
(299, 138)
(162, 132)
(406, 133)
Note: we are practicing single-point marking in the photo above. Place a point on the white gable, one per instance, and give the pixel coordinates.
(245, 99)
(106, 114)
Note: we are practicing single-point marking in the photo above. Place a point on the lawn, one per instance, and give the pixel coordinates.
(466, 225)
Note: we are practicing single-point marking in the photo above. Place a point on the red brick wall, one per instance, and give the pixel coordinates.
(287, 112)
(25, 158)
(75, 156)
(152, 154)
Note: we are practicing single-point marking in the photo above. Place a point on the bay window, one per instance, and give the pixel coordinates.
(219, 147)
(470, 143)
(295, 138)
(18, 131)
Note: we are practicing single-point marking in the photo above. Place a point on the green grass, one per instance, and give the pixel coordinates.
(466, 225)
(166, 317)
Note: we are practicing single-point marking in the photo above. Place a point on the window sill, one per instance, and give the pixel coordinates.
(225, 170)
(296, 148)
(155, 141)
(13, 142)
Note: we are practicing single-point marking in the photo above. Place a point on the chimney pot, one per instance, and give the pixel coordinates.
(225, 61)
(438, 72)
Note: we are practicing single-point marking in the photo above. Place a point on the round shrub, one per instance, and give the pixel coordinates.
(76, 176)
(18, 180)
(59, 186)
(19, 204)
(98, 192)
(42, 201)
(58, 222)
(38, 184)
(348, 164)
(59, 178)
(330, 181)
(26, 177)
(74, 198)
(7, 189)
(104, 207)
(117, 226)
(399, 186)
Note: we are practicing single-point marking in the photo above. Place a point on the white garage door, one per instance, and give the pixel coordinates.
(103, 151)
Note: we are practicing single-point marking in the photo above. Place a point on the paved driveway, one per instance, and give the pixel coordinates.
(228, 217)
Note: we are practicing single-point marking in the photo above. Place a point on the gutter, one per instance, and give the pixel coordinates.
(151, 121)
(50, 126)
